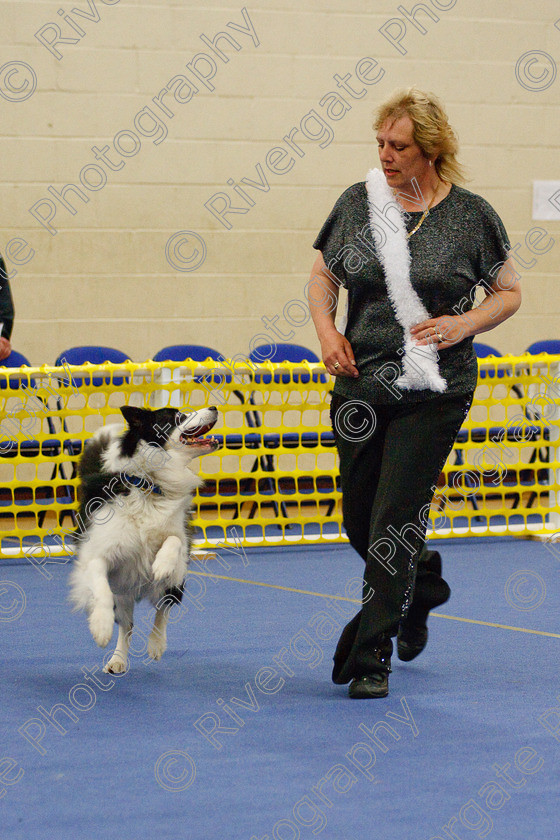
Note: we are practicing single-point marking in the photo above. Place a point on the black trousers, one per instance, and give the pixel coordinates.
(391, 457)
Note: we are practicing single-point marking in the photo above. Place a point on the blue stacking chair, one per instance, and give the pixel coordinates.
(79, 355)
(180, 352)
(15, 360)
(96, 355)
(548, 345)
(278, 353)
(196, 352)
(285, 353)
(200, 353)
(23, 382)
(482, 351)
(29, 448)
(552, 347)
(498, 433)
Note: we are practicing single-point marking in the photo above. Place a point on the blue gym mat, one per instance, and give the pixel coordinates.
(238, 732)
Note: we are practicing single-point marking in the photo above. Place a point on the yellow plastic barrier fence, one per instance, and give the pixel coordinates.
(274, 481)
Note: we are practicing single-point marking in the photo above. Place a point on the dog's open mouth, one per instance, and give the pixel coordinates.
(198, 439)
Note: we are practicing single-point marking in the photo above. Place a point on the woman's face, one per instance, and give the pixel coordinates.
(401, 157)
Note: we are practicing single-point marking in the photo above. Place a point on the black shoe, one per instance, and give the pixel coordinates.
(411, 640)
(367, 688)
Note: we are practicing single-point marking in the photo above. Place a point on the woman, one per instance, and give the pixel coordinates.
(410, 245)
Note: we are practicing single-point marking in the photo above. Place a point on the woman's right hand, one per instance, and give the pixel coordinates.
(338, 356)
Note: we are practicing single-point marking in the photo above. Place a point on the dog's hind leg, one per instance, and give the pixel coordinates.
(157, 642)
(118, 663)
(101, 618)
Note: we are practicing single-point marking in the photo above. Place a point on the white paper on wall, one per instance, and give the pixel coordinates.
(546, 200)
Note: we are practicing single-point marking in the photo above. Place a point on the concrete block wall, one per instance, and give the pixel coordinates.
(132, 256)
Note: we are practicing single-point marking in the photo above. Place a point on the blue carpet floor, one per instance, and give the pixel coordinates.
(239, 734)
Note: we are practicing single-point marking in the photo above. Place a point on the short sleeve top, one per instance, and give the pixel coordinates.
(460, 244)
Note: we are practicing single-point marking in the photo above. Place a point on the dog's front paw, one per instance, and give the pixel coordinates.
(101, 626)
(116, 665)
(168, 569)
(168, 563)
(164, 568)
(157, 645)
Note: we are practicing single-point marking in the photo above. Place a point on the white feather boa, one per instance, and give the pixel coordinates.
(420, 364)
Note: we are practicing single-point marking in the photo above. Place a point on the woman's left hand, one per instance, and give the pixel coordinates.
(442, 332)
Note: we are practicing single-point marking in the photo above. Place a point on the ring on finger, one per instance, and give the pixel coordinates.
(336, 365)
(439, 335)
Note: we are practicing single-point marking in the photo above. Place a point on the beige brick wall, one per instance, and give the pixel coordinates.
(104, 277)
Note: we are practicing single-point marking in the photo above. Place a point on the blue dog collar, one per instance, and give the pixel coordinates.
(141, 483)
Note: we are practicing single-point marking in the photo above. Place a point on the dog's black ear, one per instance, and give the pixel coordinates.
(133, 416)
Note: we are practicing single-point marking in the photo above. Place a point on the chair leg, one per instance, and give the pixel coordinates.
(544, 455)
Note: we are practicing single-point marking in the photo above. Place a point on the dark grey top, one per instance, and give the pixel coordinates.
(459, 243)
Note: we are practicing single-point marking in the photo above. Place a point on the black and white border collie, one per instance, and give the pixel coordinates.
(136, 492)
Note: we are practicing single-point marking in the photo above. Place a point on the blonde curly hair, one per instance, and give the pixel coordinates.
(431, 129)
